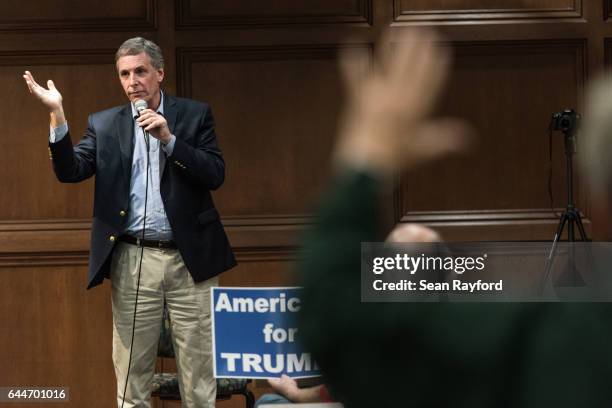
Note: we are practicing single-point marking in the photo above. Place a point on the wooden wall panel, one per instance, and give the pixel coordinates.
(505, 175)
(193, 14)
(527, 78)
(56, 334)
(277, 270)
(275, 166)
(36, 15)
(33, 192)
(457, 10)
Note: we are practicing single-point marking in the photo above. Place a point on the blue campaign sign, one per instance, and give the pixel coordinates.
(255, 334)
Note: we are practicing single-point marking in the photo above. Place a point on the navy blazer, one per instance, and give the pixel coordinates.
(195, 168)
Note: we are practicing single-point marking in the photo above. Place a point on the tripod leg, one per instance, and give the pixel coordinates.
(589, 255)
(553, 250)
(571, 278)
(583, 234)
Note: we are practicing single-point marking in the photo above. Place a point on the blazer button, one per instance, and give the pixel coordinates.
(122, 213)
(112, 238)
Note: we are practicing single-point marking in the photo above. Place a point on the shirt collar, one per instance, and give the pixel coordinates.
(160, 109)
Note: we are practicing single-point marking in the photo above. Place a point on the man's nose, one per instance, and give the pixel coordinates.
(133, 79)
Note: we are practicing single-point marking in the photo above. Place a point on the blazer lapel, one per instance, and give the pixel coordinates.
(125, 134)
(170, 113)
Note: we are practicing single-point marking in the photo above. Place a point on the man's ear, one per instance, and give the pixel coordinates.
(160, 75)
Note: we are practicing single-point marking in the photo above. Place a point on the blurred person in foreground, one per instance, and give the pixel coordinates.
(435, 354)
(595, 144)
(286, 389)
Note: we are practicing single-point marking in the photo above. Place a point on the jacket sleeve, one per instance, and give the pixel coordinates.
(203, 162)
(78, 163)
(331, 261)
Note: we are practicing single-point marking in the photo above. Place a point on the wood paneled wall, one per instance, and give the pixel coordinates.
(268, 69)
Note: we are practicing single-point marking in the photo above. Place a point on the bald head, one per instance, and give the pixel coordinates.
(412, 233)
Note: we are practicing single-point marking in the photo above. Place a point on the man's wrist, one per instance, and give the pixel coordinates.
(292, 394)
(57, 117)
(165, 136)
(58, 133)
(306, 395)
(360, 150)
(168, 147)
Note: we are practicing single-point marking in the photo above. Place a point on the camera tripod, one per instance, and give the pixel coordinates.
(571, 216)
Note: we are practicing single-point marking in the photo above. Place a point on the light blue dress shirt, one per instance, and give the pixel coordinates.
(157, 225)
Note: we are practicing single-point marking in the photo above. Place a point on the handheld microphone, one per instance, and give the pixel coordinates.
(140, 105)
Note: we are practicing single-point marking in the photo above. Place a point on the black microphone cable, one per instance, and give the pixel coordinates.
(144, 220)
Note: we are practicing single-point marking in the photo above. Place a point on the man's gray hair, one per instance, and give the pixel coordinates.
(137, 45)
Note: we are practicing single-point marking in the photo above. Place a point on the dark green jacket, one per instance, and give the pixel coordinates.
(444, 354)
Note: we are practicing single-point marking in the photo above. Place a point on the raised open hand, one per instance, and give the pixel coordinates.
(387, 124)
(51, 97)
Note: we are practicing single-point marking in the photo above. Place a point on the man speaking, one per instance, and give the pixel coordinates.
(156, 233)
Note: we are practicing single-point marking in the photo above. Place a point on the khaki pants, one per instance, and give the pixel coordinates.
(163, 275)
